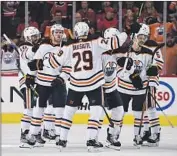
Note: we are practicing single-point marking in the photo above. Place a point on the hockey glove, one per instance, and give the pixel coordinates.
(136, 80)
(36, 64)
(121, 62)
(29, 80)
(58, 81)
(135, 27)
(152, 71)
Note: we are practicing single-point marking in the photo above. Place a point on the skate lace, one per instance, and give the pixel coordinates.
(31, 138)
(51, 133)
(113, 139)
(153, 136)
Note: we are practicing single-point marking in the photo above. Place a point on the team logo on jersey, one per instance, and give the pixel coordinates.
(110, 68)
(46, 56)
(138, 65)
(8, 58)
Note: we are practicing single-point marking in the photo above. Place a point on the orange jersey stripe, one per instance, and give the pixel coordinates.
(65, 123)
(130, 86)
(110, 84)
(88, 82)
(45, 77)
(53, 62)
(68, 70)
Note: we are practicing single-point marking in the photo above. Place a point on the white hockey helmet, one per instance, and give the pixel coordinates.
(142, 36)
(81, 29)
(110, 32)
(144, 30)
(57, 28)
(31, 34)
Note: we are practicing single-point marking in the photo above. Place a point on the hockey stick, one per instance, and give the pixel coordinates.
(16, 49)
(144, 104)
(131, 42)
(109, 119)
(170, 123)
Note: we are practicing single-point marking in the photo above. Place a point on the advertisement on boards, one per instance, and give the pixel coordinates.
(11, 98)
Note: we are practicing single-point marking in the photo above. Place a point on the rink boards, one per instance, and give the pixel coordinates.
(12, 103)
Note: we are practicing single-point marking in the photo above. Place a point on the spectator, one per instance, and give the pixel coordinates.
(88, 15)
(106, 6)
(9, 20)
(108, 21)
(10, 8)
(128, 19)
(129, 5)
(56, 19)
(170, 54)
(93, 32)
(78, 17)
(60, 6)
(21, 26)
(148, 11)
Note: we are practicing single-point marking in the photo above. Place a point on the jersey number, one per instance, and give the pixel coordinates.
(87, 58)
(23, 50)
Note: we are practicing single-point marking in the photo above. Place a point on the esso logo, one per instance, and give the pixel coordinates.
(165, 95)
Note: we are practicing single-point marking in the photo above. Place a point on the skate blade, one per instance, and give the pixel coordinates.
(145, 144)
(49, 138)
(112, 147)
(25, 145)
(38, 145)
(94, 149)
(137, 146)
(61, 148)
(153, 144)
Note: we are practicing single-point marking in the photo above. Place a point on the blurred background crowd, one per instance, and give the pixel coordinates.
(160, 16)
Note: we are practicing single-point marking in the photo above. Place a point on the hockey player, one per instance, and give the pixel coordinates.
(111, 94)
(133, 83)
(49, 83)
(86, 78)
(26, 79)
(152, 124)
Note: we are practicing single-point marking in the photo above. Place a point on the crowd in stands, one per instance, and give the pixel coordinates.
(99, 15)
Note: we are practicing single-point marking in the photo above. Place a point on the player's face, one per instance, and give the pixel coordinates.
(58, 34)
(35, 38)
(142, 39)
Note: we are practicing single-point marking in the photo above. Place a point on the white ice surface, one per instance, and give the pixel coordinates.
(77, 143)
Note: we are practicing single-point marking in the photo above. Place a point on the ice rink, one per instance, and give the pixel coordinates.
(77, 143)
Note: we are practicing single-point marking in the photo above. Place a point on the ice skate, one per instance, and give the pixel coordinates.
(49, 134)
(137, 141)
(93, 145)
(62, 144)
(112, 142)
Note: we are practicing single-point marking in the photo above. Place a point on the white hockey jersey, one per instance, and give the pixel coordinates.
(157, 61)
(26, 55)
(110, 73)
(86, 61)
(47, 75)
(141, 62)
